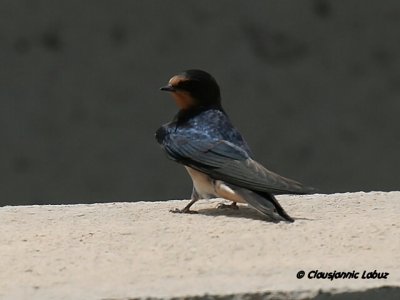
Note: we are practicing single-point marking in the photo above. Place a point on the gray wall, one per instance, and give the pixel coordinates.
(314, 86)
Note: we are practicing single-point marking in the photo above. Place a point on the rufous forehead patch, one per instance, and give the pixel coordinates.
(176, 80)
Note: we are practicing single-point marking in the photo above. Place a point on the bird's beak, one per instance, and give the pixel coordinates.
(168, 88)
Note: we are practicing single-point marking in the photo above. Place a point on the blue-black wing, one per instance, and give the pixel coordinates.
(223, 160)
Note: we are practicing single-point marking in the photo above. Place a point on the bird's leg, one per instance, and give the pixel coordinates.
(186, 209)
(233, 205)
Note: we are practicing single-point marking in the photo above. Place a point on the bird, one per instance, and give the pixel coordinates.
(219, 161)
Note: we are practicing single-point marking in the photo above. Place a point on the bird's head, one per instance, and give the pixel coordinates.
(194, 89)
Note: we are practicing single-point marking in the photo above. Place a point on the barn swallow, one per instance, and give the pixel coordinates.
(202, 138)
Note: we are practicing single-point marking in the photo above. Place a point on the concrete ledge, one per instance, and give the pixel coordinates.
(140, 250)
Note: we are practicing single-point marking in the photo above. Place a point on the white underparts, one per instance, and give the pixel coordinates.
(207, 187)
(224, 191)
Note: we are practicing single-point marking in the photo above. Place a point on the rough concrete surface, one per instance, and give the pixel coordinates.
(141, 250)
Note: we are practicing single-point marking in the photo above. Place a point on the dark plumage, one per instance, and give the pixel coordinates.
(220, 162)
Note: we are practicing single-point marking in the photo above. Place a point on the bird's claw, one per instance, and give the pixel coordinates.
(183, 211)
(228, 206)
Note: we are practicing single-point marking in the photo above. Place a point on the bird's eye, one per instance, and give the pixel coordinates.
(187, 85)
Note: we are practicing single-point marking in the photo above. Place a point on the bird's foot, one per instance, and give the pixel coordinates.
(228, 206)
(183, 211)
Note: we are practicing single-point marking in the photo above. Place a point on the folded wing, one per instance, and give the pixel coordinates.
(223, 160)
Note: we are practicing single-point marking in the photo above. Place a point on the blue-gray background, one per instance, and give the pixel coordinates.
(314, 86)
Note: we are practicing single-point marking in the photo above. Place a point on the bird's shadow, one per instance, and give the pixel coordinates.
(242, 212)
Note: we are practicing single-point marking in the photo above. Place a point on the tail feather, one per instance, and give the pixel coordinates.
(278, 207)
(264, 203)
